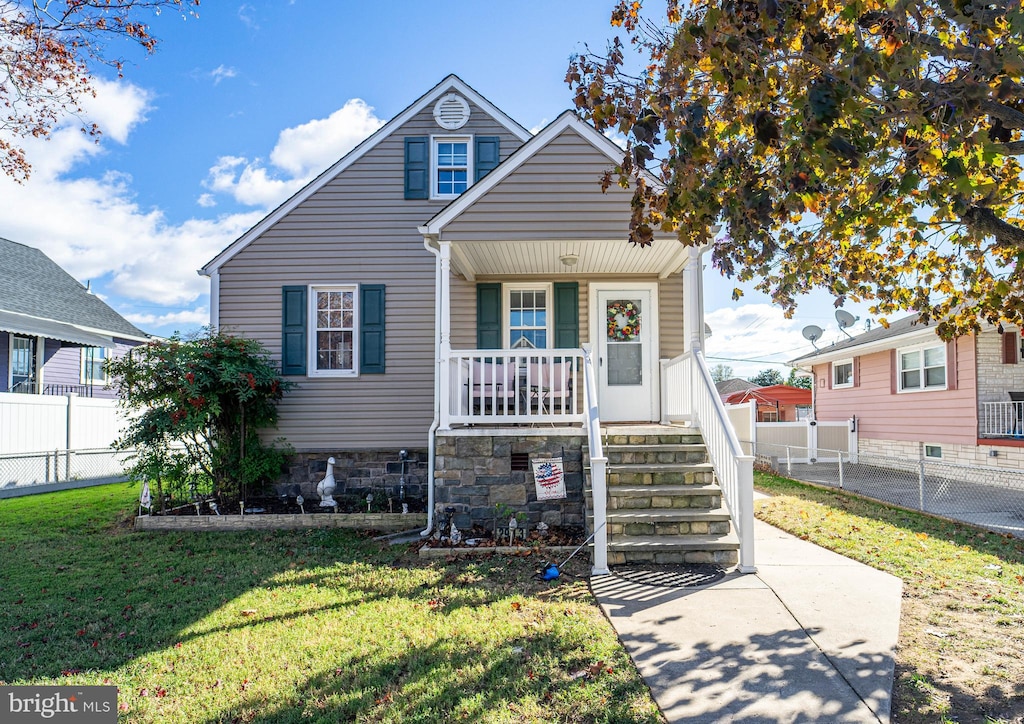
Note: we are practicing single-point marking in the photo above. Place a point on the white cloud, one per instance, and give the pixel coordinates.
(94, 228)
(613, 135)
(206, 201)
(756, 332)
(539, 127)
(198, 317)
(247, 14)
(300, 153)
(221, 72)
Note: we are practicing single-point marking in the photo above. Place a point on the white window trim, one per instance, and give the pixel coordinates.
(470, 165)
(81, 376)
(921, 348)
(506, 310)
(853, 371)
(10, 359)
(311, 329)
(924, 451)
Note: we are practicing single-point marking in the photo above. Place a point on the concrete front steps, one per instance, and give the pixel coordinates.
(664, 505)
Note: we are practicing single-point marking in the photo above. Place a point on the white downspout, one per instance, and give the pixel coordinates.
(436, 423)
(215, 300)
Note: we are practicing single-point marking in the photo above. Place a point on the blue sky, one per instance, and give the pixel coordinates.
(239, 107)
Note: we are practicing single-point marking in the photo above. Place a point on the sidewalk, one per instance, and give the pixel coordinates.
(808, 638)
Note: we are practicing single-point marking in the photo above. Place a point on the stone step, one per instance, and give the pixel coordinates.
(667, 515)
(667, 521)
(645, 497)
(652, 436)
(656, 454)
(668, 549)
(676, 474)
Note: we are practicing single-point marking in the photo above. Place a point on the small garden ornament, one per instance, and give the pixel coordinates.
(325, 488)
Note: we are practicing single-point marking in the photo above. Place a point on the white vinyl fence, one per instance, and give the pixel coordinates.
(806, 441)
(54, 439)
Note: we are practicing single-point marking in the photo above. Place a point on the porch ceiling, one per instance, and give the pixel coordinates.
(544, 258)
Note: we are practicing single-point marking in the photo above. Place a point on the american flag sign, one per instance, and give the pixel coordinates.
(550, 478)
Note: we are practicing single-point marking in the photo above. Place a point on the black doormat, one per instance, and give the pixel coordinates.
(679, 576)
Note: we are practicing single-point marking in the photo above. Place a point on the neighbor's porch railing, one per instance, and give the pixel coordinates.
(504, 386)
(1001, 419)
(689, 393)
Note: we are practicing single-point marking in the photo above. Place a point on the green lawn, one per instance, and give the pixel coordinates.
(962, 625)
(295, 626)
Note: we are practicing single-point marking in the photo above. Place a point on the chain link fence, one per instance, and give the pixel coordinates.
(989, 497)
(29, 472)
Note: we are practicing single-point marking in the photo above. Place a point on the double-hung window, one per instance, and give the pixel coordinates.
(452, 159)
(528, 318)
(23, 364)
(333, 342)
(922, 368)
(94, 366)
(842, 373)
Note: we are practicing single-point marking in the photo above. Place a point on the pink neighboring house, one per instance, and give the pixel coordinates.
(914, 395)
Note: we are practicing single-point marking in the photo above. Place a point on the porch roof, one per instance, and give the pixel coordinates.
(543, 212)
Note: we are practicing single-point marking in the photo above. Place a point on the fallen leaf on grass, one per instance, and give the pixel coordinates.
(249, 611)
(516, 605)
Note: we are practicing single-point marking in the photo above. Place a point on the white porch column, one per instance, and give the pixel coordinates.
(444, 330)
(693, 301)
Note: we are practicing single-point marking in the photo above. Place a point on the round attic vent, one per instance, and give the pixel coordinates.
(451, 112)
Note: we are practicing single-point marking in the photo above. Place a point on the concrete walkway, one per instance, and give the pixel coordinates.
(808, 638)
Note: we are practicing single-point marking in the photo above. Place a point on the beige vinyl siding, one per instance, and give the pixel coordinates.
(670, 309)
(555, 194)
(357, 229)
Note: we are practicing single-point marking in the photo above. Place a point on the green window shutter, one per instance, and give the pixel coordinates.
(487, 155)
(293, 330)
(488, 316)
(371, 329)
(567, 315)
(417, 167)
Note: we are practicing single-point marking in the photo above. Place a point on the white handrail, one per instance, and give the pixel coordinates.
(698, 400)
(1001, 419)
(598, 464)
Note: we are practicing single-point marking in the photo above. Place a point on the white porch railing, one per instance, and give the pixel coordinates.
(598, 465)
(502, 387)
(1001, 419)
(689, 393)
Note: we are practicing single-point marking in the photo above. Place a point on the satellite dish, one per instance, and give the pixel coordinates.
(845, 320)
(813, 333)
(707, 331)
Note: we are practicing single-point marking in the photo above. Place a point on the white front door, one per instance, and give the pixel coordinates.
(624, 330)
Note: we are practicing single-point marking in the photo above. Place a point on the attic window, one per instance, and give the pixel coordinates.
(451, 112)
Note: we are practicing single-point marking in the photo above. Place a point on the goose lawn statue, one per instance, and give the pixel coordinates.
(325, 488)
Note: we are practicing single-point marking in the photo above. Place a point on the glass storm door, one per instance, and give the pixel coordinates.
(625, 324)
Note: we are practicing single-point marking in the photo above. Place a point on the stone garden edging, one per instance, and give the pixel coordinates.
(283, 521)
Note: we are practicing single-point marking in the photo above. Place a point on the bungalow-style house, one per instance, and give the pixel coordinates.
(462, 290)
(915, 396)
(775, 403)
(55, 335)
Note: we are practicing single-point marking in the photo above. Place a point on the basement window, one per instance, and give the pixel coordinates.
(520, 462)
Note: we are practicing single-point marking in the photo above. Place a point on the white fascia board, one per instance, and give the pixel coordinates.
(882, 345)
(445, 86)
(528, 150)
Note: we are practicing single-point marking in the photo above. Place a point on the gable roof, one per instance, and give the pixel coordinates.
(567, 119)
(733, 384)
(878, 339)
(39, 298)
(445, 86)
(772, 394)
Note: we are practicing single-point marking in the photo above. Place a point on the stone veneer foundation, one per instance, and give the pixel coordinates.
(356, 473)
(1007, 456)
(473, 473)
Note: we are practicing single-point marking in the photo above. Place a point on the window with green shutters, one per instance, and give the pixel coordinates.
(443, 167)
(332, 331)
(544, 315)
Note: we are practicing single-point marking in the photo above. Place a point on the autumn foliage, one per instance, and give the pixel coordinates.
(197, 407)
(868, 148)
(48, 52)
